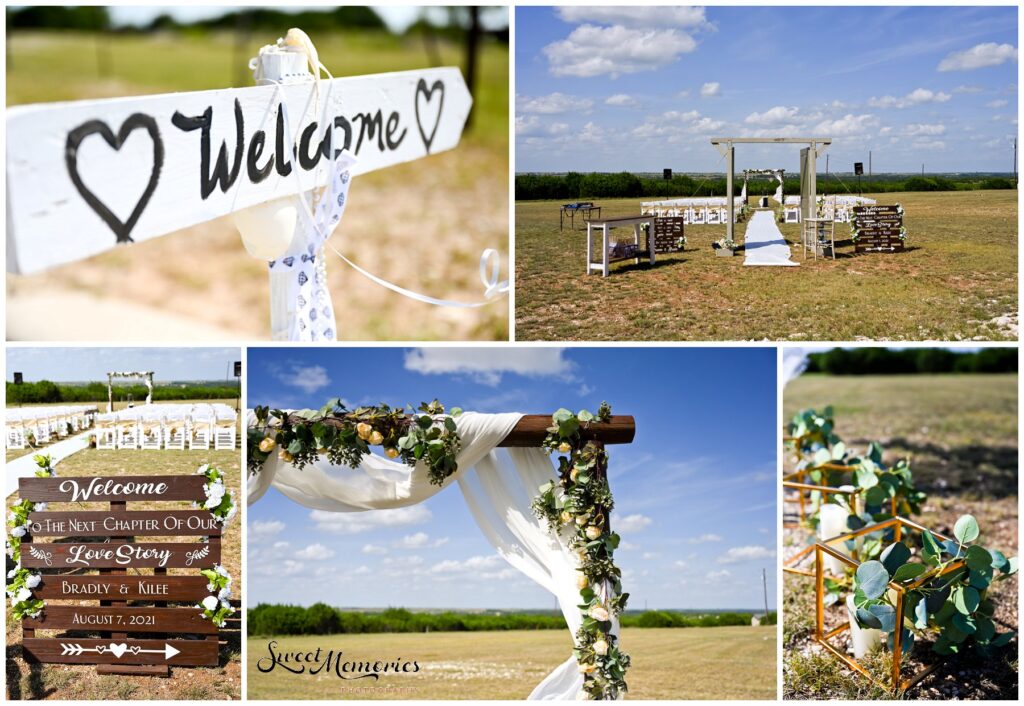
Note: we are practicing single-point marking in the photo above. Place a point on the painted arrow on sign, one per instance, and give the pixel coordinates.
(87, 175)
(118, 649)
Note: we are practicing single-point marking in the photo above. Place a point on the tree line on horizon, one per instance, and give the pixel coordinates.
(47, 392)
(909, 361)
(579, 185)
(321, 619)
(246, 19)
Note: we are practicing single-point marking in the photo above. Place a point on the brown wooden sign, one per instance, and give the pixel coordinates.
(118, 619)
(119, 555)
(667, 231)
(104, 489)
(128, 588)
(146, 523)
(76, 650)
(878, 228)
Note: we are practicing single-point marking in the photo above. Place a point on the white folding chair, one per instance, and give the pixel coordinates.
(106, 431)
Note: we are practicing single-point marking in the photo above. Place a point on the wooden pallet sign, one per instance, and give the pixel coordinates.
(84, 556)
(878, 228)
(85, 176)
(667, 232)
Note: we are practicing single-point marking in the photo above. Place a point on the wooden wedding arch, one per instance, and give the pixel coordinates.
(146, 377)
(808, 169)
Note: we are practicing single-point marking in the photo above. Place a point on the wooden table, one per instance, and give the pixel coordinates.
(587, 208)
(604, 225)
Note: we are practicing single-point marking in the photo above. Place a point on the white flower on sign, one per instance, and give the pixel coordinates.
(33, 580)
(225, 594)
(211, 603)
(18, 532)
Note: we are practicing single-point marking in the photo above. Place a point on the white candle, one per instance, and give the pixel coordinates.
(832, 522)
(865, 640)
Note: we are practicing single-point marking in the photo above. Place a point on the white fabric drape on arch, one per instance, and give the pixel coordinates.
(499, 486)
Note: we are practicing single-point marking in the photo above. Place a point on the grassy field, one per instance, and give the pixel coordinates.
(459, 199)
(54, 681)
(958, 277)
(960, 434)
(102, 406)
(683, 663)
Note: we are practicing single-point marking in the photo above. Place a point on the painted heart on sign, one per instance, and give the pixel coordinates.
(136, 121)
(118, 649)
(426, 94)
(135, 649)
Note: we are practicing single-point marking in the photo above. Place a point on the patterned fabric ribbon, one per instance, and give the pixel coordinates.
(304, 262)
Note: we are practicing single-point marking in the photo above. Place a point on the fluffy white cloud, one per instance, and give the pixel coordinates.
(418, 541)
(652, 17)
(620, 99)
(591, 51)
(716, 576)
(704, 538)
(308, 378)
(915, 129)
(710, 90)
(847, 125)
(315, 552)
(748, 553)
(674, 126)
(374, 549)
(632, 523)
(968, 89)
(979, 56)
(533, 126)
(997, 103)
(258, 529)
(779, 115)
(552, 103)
(485, 366)
(357, 522)
(915, 97)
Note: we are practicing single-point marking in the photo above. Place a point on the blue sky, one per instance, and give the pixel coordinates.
(644, 88)
(695, 493)
(90, 364)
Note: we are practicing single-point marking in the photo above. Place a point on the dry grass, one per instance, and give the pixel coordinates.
(422, 225)
(959, 274)
(79, 682)
(961, 435)
(681, 663)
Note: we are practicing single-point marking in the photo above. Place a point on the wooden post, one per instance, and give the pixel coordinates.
(730, 165)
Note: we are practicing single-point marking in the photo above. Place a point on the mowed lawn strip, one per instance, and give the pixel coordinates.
(63, 681)
(668, 663)
(958, 276)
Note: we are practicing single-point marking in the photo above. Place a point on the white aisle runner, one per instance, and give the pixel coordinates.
(25, 467)
(763, 242)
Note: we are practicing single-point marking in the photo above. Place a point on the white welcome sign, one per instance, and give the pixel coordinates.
(85, 176)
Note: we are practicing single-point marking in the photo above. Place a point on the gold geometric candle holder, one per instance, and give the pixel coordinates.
(821, 549)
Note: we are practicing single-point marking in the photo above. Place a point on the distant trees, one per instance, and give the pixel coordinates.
(83, 18)
(886, 361)
(46, 392)
(321, 619)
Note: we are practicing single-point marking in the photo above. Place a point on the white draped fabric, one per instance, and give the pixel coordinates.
(499, 486)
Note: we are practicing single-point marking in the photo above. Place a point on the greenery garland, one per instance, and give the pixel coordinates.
(578, 505)
(956, 606)
(219, 500)
(21, 581)
(217, 606)
(430, 437)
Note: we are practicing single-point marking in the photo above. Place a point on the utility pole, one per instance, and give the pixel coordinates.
(764, 581)
(870, 173)
(826, 175)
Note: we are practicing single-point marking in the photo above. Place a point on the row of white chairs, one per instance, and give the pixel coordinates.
(170, 427)
(44, 424)
(691, 216)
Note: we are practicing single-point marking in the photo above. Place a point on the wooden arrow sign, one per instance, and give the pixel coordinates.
(76, 650)
(87, 175)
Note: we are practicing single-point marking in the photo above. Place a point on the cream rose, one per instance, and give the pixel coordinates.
(391, 452)
(285, 456)
(566, 516)
(573, 474)
(600, 647)
(582, 520)
(376, 438)
(598, 612)
(565, 447)
(587, 668)
(593, 532)
(581, 580)
(267, 445)
(363, 430)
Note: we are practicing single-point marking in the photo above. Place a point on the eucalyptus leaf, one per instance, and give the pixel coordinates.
(886, 616)
(1003, 638)
(838, 451)
(930, 549)
(865, 478)
(822, 456)
(921, 615)
(966, 529)
(894, 556)
(867, 619)
(985, 629)
(908, 572)
(872, 578)
(978, 558)
(964, 624)
(965, 599)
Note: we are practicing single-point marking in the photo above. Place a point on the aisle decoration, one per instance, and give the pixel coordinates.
(217, 606)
